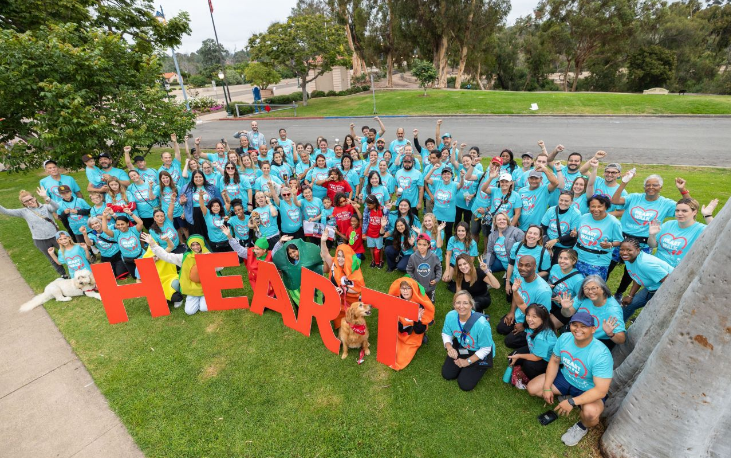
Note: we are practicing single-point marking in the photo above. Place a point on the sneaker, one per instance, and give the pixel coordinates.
(573, 435)
(389, 270)
(618, 297)
(373, 264)
(379, 265)
(520, 385)
(177, 304)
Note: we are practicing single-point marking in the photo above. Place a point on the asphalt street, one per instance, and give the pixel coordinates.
(646, 140)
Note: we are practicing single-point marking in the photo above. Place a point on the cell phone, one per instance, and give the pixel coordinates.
(547, 417)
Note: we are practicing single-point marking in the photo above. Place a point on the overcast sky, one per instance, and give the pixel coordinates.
(236, 22)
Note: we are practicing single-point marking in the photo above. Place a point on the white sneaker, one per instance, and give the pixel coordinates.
(520, 385)
(573, 435)
(177, 304)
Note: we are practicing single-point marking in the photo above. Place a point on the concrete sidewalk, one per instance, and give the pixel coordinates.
(49, 404)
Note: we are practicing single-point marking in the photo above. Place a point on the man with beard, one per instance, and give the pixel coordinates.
(105, 164)
(411, 183)
(255, 137)
(535, 196)
(397, 146)
(606, 186)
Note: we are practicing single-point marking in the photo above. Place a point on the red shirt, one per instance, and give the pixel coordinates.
(356, 237)
(342, 217)
(374, 224)
(334, 187)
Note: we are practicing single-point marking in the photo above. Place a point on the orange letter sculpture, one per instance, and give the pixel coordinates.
(213, 285)
(113, 295)
(323, 313)
(389, 309)
(269, 275)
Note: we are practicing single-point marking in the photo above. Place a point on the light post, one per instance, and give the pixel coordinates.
(222, 77)
(218, 45)
(160, 15)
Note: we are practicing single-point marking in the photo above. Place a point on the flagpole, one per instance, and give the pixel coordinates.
(223, 61)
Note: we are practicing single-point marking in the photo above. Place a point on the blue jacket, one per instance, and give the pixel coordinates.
(188, 191)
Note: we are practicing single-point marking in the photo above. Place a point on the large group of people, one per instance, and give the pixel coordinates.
(555, 231)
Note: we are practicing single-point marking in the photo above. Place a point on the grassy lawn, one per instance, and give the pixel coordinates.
(233, 383)
(443, 102)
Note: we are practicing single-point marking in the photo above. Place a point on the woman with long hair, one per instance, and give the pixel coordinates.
(169, 193)
(402, 246)
(232, 187)
(198, 188)
(476, 281)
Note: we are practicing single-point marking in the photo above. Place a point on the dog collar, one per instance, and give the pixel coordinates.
(358, 328)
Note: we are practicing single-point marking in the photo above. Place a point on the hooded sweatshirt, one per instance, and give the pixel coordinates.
(424, 269)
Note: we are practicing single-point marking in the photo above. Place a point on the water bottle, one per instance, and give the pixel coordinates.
(508, 374)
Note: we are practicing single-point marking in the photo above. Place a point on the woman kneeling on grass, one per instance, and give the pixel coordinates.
(411, 334)
(468, 340)
(533, 358)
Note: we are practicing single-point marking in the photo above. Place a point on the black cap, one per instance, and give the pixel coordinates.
(101, 155)
(139, 158)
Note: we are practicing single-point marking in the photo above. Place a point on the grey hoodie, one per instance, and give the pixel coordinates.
(425, 269)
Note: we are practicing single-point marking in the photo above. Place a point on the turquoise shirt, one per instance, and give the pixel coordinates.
(250, 176)
(166, 195)
(311, 208)
(327, 217)
(610, 309)
(291, 216)
(129, 242)
(500, 202)
(167, 229)
(674, 242)
(569, 222)
(480, 336)
(379, 191)
(146, 202)
(648, 271)
(601, 187)
(175, 170)
(539, 253)
(240, 228)
(410, 181)
(51, 186)
(149, 175)
(581, 365)
(315, 175)
(580, 204)
(640, 212)
(106, 248)
(535, 203)
(535, 292)
(469, 187)
(238, 190)
(445, 200)
(213, 224)
(76, 221)
(75, 259)
(592, 233)
(268, 227)
(571, 285)
(542, 344)
(457, 247)
(94, 175)
(501, 253)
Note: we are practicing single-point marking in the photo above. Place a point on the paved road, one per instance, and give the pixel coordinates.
(647, 140)
(239, 93)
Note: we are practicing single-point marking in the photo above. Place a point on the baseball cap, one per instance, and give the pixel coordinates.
(380, 140)
(139, 158)
(526, 154)
(424, 236)
(613, 165)
(50, 161)
(583, 318)
(60, 233)
(64, 188)
(505, 176)
(446, 170)
(101, 155)
(86, 158)
(447, 134)
(535, 173)
(496, 160)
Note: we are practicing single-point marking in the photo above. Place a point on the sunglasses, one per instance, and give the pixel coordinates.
(230, 168)
(286, 195)
(25, 201)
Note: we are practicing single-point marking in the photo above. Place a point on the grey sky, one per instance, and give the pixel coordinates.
(236, 21)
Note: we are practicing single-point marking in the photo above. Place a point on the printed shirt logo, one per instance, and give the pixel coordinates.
(423, 269)
(673, 245)
(500, 251)
(529, 203)
(590, 236)
(443, 196)
(565, 229)
(233, 190)
(129, 243)
(74, 262)
(635, 277)
(574, 366)
(294, 215)
(642, 216)
(170, 233)
(560, 287)
(404, 182)
(265, 219)
(468, 343)
(507, 206)
(524, 294)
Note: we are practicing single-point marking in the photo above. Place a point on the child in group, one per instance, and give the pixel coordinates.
(127, 237)
(424, 266)
(532, 360)
(327, 217)
(97, 199)
(354, 236)
(459, 243)
(435, 231)
(374, 226)
(239, 223)
(564, 278)
(74, 256)
(93, 173)
(75, 209)
(215, 217)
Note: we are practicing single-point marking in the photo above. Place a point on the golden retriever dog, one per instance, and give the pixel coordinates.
(83, 284)
(353, 329)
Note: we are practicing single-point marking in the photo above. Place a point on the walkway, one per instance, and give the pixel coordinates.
(49, 404)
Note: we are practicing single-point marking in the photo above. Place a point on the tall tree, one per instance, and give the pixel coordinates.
(669, 394)
(588, 25)
(353, 15)
(87, 85)
(212, 57)
(307, 45)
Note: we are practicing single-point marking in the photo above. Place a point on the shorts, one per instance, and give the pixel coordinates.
(179, 223)
(587, 269)
(565, 388)
(476, 227)
(374, 242)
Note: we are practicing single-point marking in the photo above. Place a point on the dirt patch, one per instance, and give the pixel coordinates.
(703, 341)
(213, 327)
(213, 369)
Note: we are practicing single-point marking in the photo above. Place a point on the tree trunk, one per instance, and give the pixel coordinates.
(465, 41)
(669, 395)
(577, 71)
(566, 76)
(389, 69)
(479, 77)
(356, 58)
(303, 78)
(442, 62)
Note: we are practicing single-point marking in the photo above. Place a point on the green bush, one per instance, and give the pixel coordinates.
(285, 99)
(342, 93)
(244, 108)
(331, 94)
(199, 103)
(198, 81)
(317, 94)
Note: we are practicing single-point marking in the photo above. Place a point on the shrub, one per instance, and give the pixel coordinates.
(202, 103)
(198, 81)
(343, 93)
(317, 94)
(243, 110)
(285, 99)
(331, 94)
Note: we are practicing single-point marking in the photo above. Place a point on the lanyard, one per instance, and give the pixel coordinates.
(462, 336)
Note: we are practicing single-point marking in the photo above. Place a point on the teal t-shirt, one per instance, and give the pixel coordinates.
(167, 229)
(410, 181)
(535, 292)
(76, 221)
(107, 248)
(311, 208)
(640, 212)
(592, 233)
(166, 195)
(535, 203)
(445, 200)
(580, 204)
(480, 336)
(468, 187)
(500, 202)
(213, 224)
(315, 175)
(458, 247)
(571, 285)
(581, 365)
(269, 227)
(569, 221)
(238, 190)
(648, 270)
(542, 344)
(380, 192)
(327, 217)
(239, 227)
(174, 170)
(51, 186)
(291, 216)
(610, 309)
(75, 259)
(501, 253)
(601, 187)
(674, 242)
(146, 202)
(539, 253)
(129, 242)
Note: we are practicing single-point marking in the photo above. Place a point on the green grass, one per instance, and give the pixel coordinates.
(442, 102)
(234, 383)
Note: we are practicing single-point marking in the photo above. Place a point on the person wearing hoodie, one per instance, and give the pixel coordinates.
(411, 334)
(424, 266)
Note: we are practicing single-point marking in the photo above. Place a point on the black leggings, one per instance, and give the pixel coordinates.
(463, 215)
(624, 282)
(447, 230)
(118, 266)
(299, 234)
(198, 226)
(131, 266)
(467, 377)
(220, 247)
(531, 369)
(511, 340)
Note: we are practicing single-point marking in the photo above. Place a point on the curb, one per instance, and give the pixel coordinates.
(719, 116)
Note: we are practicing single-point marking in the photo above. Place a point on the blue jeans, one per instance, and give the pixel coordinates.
(391, 255)
(642, 297)
(497, 266)
(587, 269)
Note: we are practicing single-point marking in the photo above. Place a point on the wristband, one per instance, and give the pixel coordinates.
(684, 192)
(708, 216)
(547, 389)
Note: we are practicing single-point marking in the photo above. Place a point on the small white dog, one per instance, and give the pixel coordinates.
(63, 290)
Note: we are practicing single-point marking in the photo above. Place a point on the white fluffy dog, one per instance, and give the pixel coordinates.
(63, 290)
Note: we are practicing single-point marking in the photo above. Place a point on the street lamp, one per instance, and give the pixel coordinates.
(222, 77)
(160, 16)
